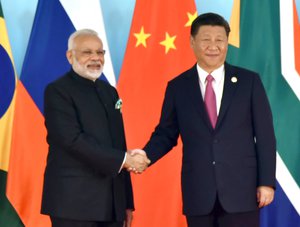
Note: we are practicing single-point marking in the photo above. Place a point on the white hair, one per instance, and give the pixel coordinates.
(81, 32)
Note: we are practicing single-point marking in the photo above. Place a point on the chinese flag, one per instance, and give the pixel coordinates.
(158, 49)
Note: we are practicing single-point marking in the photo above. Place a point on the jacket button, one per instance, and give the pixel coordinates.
(213, 162)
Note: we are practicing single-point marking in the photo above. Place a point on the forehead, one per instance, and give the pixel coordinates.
(209, 29)
(88, 41)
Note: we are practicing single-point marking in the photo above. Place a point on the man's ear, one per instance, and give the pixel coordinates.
(192, 41)
(69, 55)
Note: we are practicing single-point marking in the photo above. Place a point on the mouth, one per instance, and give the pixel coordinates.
(94, 67)
(212, 55)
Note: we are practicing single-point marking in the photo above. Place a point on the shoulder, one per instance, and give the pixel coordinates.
(106, 86)
(62, 81)
(240, 71)
(245, 76)
(63, 86)
(184, 76)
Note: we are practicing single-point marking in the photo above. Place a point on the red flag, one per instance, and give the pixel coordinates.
(158, 50)
(27, 161)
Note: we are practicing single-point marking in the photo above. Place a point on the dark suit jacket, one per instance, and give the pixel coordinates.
(86, 150)
(229, 161)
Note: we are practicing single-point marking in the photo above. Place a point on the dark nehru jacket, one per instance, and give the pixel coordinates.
(86, 150)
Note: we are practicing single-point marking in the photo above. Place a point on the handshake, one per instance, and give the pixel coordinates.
(136, 161)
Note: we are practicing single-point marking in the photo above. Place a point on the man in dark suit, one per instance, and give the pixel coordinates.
(225, 123)
(85, 184)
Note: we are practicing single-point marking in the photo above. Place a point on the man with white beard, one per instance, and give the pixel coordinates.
(85, 54)
(86, 183)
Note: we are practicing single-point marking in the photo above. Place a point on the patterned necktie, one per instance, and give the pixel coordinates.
(210, 101)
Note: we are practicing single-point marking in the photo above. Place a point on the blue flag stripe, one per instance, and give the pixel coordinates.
(46, 49)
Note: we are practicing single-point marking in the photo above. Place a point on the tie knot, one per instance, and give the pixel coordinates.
(209, 78)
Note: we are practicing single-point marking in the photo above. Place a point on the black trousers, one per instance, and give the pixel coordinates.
(61, 222)
(220, 218)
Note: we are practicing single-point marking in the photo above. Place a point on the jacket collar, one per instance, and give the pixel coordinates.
(230, 85)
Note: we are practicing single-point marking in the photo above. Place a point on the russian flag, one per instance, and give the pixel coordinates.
(45, 60)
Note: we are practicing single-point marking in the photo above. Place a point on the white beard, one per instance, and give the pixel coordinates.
(84, 72)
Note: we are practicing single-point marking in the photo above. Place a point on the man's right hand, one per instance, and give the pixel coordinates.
(136, 161)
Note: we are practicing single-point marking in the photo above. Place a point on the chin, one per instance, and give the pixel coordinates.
(94, 74)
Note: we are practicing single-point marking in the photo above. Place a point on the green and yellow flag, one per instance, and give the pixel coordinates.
(8, 78)
(270, 45)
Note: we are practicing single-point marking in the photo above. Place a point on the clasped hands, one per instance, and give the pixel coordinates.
(136, 161)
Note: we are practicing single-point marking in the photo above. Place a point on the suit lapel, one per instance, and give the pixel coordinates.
(230, 85)
(194, 91)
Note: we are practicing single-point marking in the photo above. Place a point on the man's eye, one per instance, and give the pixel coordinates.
(86, 52)
(100, 52)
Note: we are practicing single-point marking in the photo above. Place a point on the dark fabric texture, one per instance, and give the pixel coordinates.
(86, 150)
(230, 161)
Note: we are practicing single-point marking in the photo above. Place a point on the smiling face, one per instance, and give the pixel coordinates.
(210, 46)
(87, 56)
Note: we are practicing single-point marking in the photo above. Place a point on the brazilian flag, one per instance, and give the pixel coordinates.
(8, 78)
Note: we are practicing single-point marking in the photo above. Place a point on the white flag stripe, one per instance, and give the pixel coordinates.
(288, 67)
(88, 14)
(288, 184)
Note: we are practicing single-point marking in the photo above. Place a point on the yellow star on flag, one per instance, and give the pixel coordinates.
(168, 42)
(191, 17)
(141, 37)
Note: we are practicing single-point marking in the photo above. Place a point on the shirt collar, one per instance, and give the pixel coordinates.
(218, 74)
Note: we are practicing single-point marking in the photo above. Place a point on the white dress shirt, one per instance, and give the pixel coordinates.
(218, 83)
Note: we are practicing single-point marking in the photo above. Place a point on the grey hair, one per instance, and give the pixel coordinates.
(81, 32)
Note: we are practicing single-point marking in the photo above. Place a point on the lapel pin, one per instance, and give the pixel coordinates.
(233, 79)
(118, 105)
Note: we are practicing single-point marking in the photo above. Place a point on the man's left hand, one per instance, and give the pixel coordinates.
(265, 195)
(128, 220)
